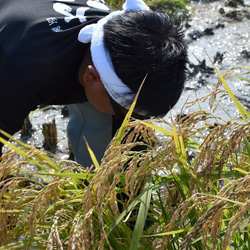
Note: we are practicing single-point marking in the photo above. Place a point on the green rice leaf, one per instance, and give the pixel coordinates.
(223, 199)
(12, 211)
(92, 155)
(41, 109)
(247, 146)
(41, 157)
(240, 108)
(241, 171)
(142, 215)
(157, 128)
(84, 176)
(170, 232)
(135, 202)
(244, 79)
(20, 152)
(21, 244)
(126, 120)
(15, 140)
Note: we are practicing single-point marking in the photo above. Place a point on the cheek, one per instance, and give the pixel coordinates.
(89, 93)
(99, 99)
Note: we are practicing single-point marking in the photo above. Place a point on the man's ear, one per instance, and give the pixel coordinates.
(91, 75)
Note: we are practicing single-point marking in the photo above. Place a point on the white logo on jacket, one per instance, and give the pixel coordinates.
(64, 9)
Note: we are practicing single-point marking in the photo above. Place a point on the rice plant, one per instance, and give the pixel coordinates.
(182, 184)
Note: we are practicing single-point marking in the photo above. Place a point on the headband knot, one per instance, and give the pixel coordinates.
(94, 34)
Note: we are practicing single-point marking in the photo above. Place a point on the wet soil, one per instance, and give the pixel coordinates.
(219, 31)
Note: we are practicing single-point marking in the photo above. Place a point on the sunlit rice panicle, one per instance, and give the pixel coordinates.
(199, 188)
(215, 227)
(234, 223)
(211, 218)
(54, 238)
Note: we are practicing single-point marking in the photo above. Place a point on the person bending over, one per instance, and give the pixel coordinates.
(83, 54)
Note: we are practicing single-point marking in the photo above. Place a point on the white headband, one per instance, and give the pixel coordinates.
(93, 33)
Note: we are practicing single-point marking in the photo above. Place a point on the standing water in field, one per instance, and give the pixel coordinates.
(221, 33)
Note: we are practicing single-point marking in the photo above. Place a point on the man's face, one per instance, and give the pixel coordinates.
(96, 92)
(94, 89)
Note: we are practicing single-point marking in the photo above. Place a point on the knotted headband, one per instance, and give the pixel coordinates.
(93, 34)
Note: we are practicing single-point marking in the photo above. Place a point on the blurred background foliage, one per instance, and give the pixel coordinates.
(179, 8)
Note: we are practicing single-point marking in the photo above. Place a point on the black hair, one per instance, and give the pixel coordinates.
(148, 43)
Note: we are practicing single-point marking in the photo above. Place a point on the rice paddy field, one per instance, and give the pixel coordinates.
(187, 188)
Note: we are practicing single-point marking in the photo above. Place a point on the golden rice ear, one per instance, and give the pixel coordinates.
(202, 206)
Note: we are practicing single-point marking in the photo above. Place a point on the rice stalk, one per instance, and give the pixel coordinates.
(187, 187)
